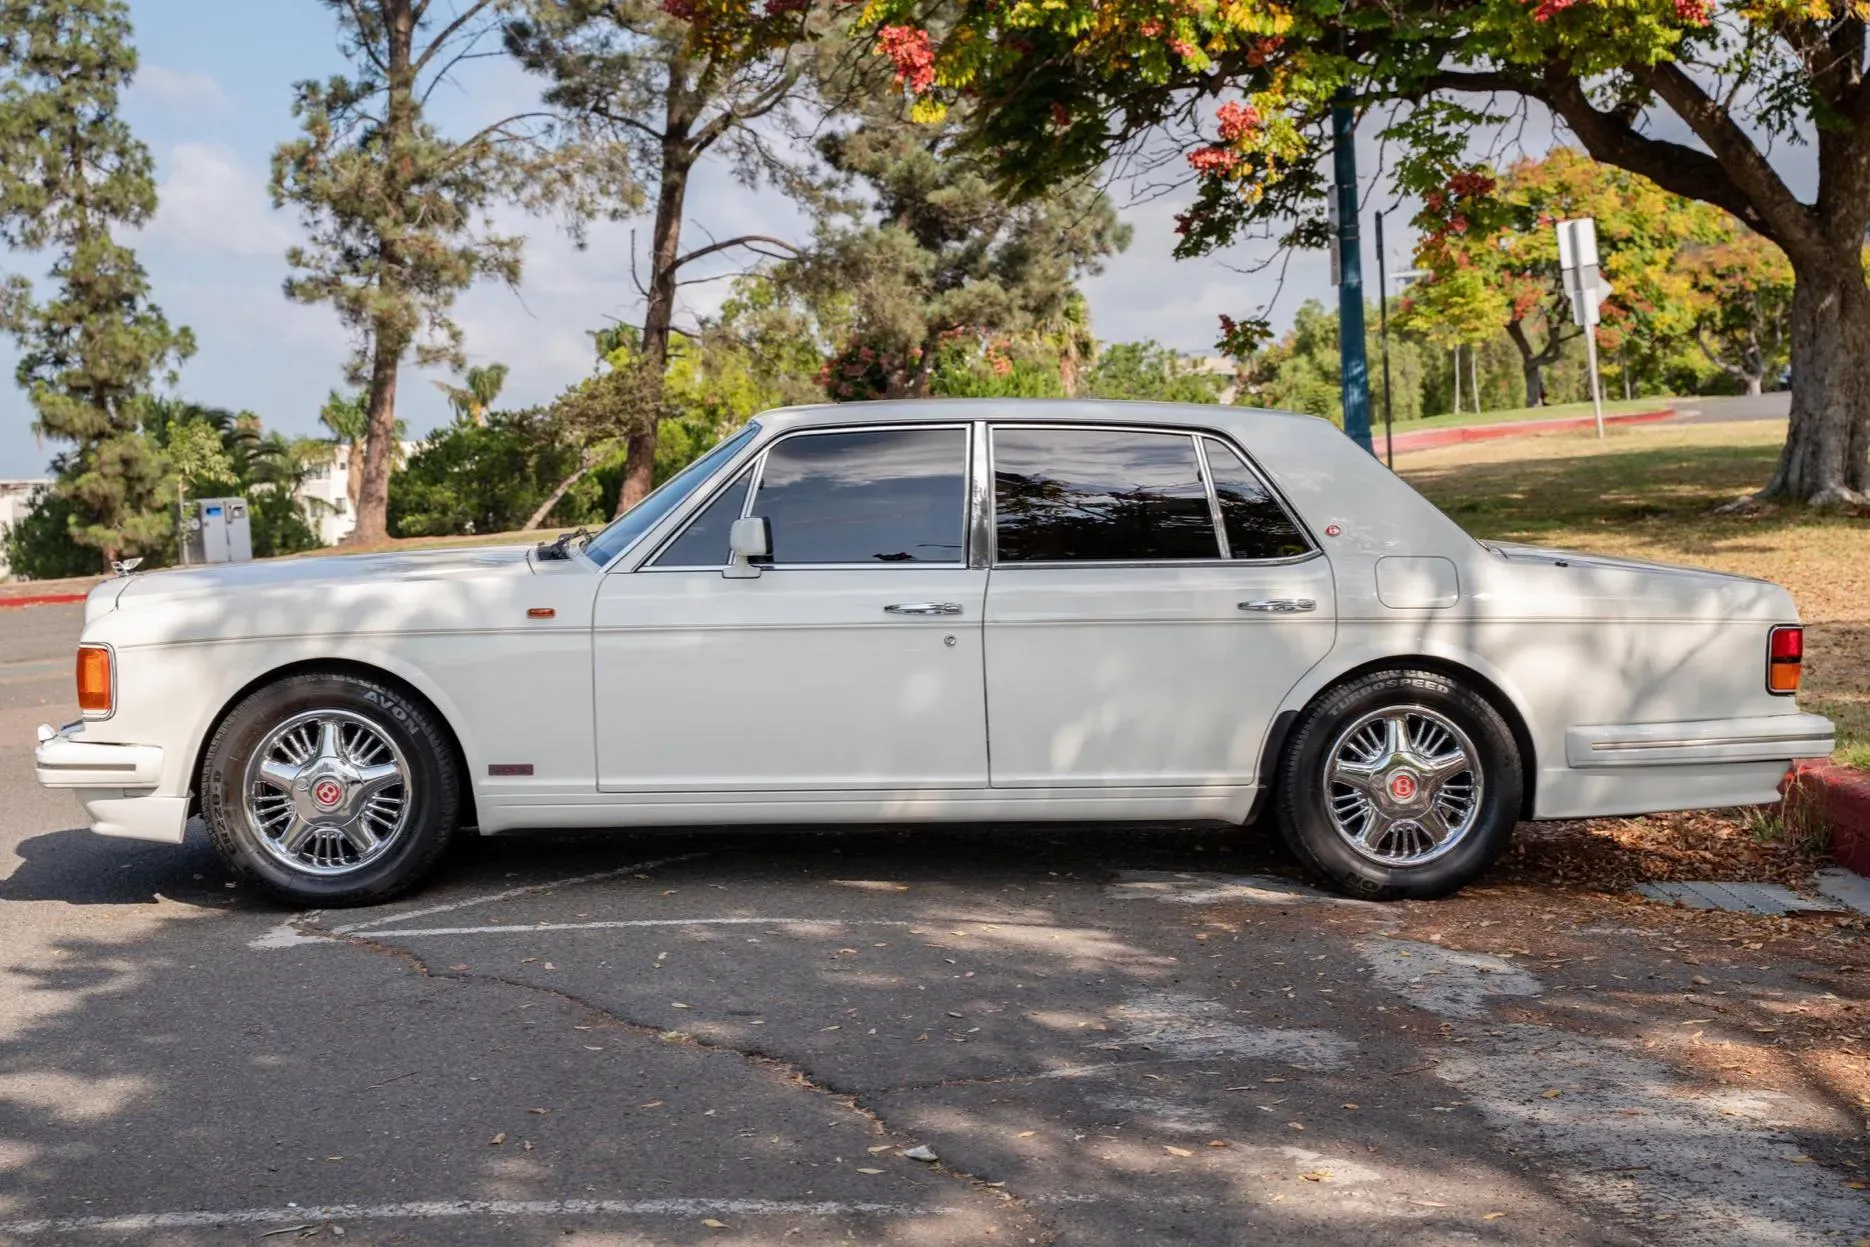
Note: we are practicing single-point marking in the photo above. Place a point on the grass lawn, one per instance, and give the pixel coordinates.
(1649, 492)
(1558, 411)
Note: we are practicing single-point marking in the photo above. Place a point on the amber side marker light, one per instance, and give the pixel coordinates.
(94, 682)
(1785, 655)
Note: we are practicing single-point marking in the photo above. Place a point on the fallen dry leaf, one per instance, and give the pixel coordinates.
(712, 1224)
(1492, 1216)
(497, 1140)
(1316, 1175)
(1219, 1143)
(1551, 1093)
(869, 1171)
(1176, 1151)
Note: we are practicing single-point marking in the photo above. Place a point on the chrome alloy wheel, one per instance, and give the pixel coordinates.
(327, 792)
(1403, 785)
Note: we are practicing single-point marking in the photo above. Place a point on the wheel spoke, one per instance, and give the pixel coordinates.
(297, 831)
(1396, 734)
(277, 774)
(362, 838)
(327, 739)
(372, 780)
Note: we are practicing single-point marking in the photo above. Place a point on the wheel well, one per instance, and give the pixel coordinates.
(335, 666)
(1502, 704)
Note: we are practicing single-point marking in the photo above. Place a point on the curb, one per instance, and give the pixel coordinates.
(43, 599)
(1429, 439)
(1840, 797)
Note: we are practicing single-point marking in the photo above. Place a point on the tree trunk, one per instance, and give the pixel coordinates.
(1753, 385)
(1533, 366)
(1826, 460)
(564, 487)
(1457, 380)
(678, 158)
(373, 493)
(354, 470)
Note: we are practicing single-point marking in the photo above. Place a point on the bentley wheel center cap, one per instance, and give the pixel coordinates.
(1403, 787)
(328, 793)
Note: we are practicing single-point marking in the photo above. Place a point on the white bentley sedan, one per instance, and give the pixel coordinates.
(987, 611)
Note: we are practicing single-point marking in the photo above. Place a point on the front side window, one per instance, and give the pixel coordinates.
(627, 528)
(1257, 526)
(704, 542)
(1066, 495)
(867, 496)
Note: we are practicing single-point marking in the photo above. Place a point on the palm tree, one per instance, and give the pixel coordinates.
(472, 402)
(348, 418)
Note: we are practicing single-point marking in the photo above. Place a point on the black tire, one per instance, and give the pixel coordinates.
(431, 796)
(1302, 808)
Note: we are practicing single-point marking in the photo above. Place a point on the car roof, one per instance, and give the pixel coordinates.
(1065, 410)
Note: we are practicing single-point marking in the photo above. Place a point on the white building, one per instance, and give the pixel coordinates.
(326, 494)
(15, 497)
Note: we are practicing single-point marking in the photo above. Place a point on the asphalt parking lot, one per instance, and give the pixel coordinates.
(1107, 1037)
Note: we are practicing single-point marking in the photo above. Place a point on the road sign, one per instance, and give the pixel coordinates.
(1586, 288)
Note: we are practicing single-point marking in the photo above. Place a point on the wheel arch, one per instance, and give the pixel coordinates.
(1490, 689)
(334, 666)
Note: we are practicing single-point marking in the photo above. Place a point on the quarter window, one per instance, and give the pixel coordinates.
(1099, 495)
(1257, 526)
(704, 542)
(873, 496)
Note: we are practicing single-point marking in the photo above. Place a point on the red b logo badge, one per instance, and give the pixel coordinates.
(327, 792)
(1403, 787)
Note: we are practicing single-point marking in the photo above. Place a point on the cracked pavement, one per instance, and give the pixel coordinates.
(1105, 1036)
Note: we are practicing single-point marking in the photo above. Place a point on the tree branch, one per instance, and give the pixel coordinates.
(448, 32)
(750, 241)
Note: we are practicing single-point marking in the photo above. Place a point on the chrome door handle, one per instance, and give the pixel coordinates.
(1280, 606)
(924, 608)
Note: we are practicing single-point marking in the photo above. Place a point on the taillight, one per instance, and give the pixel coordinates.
(1785, 654)
(94, 679)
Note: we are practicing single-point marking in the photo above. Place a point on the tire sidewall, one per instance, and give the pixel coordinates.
(1305, 821)
(432, 787)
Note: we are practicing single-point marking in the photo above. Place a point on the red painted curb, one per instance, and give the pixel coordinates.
(43, 599)
(1429, 439)
(1841, 796)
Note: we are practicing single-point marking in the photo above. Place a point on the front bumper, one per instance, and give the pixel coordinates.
(115, 784)
(1761, 738)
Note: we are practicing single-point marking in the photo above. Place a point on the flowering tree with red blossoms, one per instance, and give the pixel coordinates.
(1694, 95)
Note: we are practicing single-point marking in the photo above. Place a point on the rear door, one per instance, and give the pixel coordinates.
(1151, 604)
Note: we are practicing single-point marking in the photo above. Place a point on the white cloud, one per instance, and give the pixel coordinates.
(211, 203)
(179, 88)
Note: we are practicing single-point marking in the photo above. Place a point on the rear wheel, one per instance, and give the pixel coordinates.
(1399, 785)
(330, 789)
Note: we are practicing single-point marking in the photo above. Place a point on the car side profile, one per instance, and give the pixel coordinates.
(930, 611)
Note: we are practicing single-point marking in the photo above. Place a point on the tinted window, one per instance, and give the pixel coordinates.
(890, 496)
(1257, 526)
(704, 542)
(1064, 495)
(645, 515)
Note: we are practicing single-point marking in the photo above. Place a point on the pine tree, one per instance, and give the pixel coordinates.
(71, 172)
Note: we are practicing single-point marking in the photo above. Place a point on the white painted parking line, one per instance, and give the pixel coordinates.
(624, 923)
(291, 932)
(293, 1214)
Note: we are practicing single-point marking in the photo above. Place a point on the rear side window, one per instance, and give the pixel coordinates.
(871, 496)
(1066, 495)
(1257, 526)
(704, 542)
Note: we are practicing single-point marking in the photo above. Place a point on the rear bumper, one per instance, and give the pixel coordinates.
(1764, 738)
(114, 783)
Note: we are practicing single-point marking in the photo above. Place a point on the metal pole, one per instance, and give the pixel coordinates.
(1597, 398)
(1354, 364)
(1383, 336)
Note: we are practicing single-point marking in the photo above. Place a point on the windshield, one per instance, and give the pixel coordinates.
(645, 515)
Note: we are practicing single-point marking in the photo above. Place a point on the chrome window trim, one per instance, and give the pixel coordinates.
(1214, 496)
(758, 468)
(980, 535)
(1197, 432)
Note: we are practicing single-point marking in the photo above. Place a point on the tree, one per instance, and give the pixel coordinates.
(472, 401)
(1148, 372)
(348, 418)
(488, 478)
(1061, 87)
(398, 213)
(70, 173)
(1743, 304)
(927, 257)
(668, 91)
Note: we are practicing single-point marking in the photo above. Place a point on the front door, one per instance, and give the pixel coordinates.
(853, 662)
(1152, 603)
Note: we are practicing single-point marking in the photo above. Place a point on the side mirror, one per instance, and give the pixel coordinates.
(748, 539)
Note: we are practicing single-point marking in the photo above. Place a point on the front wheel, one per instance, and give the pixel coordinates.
(1399, 785)
(329, 790)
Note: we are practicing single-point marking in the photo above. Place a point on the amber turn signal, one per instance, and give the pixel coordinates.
(94, 679)
(1785, 656)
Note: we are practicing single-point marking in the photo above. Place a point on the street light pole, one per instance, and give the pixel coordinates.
(1354, 364)
(1383, 336)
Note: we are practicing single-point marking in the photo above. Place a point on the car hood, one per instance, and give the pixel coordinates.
(323, 571)
(1564, 583)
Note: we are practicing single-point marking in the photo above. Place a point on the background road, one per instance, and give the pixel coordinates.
(1727, 410)
(1108, 1037)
